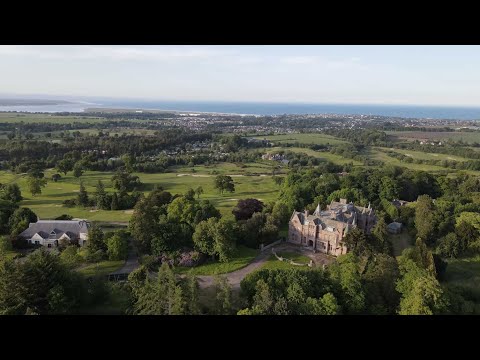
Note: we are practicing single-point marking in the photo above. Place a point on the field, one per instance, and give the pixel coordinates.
(48, 205)
(273, 263)
(46, 118)
(324, 155)
(425, 156)
(243, 257)
(317, 139)
(468, 137)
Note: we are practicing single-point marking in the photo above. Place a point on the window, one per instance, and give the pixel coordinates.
(29, 241)
(49, 245)
(37, 242)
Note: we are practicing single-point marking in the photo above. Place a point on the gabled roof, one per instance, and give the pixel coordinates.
(45, 227)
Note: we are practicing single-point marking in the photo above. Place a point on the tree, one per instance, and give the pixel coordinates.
(77, 169)
(380, 233)
(424, 210)
(246, 208)
(114, 204)
(199, 191)
(82, 197)
(191, 293)
(101, 198)
(280, 213)
(223, 296)
(263, 300)
(64, 217)
(35, 184)
(143, 224)
(95, 239)
(56, 177)
(162, 297)
(70, 257)
(124, 181)
(224, 183)
(65, 166)
(21, 219)
(451, 246)
(11, 192)
(117, 247)
(216, 238)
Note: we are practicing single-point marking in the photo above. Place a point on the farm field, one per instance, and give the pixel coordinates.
(48, 205)
(313, 138)
(423, 155)
(46, 118)
(468, 137)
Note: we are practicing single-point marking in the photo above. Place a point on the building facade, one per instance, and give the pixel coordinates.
(324, 231)
(50, 233)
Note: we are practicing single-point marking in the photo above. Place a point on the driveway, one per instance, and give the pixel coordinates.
(131, 263)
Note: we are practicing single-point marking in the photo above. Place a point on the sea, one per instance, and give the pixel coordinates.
(263, 108)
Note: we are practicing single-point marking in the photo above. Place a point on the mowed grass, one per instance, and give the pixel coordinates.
(48, 204)
(464, 273)
(273, 263)
(400, 242)
(468, 137)
(312, 138)
(101, 268)
(324, 155)
(242, 258)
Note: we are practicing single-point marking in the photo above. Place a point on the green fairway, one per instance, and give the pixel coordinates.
(101, 268)
(48, 204)
(242, 258)
(313, 138)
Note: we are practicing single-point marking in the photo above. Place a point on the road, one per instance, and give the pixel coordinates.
(131, 263)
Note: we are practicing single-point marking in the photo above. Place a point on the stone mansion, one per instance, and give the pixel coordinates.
(324, 231)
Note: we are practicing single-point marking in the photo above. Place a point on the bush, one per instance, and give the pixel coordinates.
(190, 259)
(149, 261)
(70, 203)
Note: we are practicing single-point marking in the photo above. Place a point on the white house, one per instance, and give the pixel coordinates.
(50, 232)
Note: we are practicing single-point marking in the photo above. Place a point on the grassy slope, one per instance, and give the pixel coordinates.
(426, 156)
(243, 257)
(464, 273)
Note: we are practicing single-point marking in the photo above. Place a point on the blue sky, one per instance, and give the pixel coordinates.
(410, 75)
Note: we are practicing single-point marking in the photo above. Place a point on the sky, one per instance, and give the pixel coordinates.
(394, 74)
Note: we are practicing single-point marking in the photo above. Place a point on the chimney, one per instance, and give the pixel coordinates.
(306, 213)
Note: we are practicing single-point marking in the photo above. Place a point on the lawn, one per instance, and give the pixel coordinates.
(273, 263)
(313, 138)
(101, 268)
(243, 257)
(48, 204)
(465, 273)
(400, 242)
